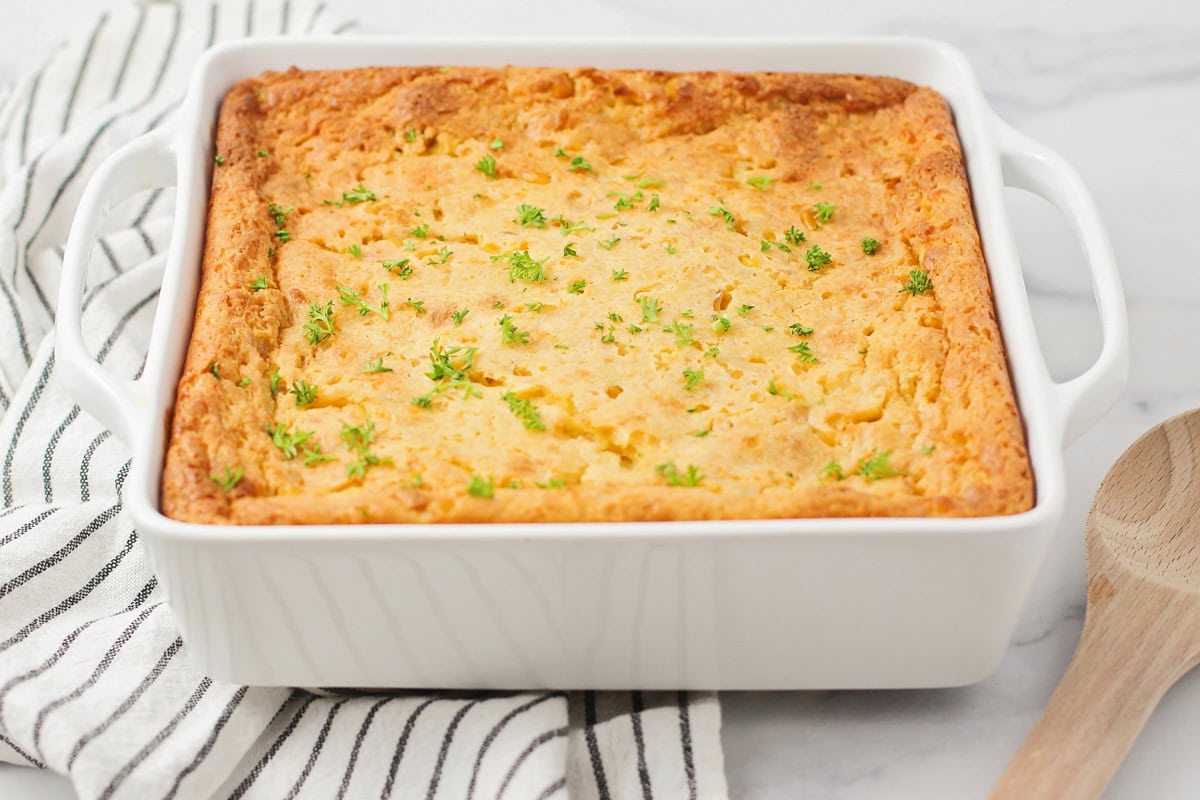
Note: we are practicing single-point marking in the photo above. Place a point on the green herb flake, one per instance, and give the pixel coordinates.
(671, 474)
(410, 135)
(579, 164)
(569, 250)
(817, 258)
(760, 182)
(870, 246)
(721, 324)
(744, 310)
(359, 194)
(259, 284)
(524, 410)
(918, 282)
(700, 434)
(725, 214)
(609, 244)
(355, 250)
(441, 257)
(228, 479)
(400, 267)
(375, 366)
(793, 235)
(420, 232)
(534, 308)
(487, 165)
(459, 315)
(530, 216)
(263, 154)
(481, 487)
(320, 323)
(833, 471)
(823, 211)
(497, 144)
(305, 392)
(510, 334)
(358, 441)
(218, 160)
(566, 227)
(692, 378)
(802, 349)
(620, 275)
(286, 440)
(522, 266)
(796, 329)
(650, 308)
(577, 287)
(276, 383)
(877, 467)
(683, 334)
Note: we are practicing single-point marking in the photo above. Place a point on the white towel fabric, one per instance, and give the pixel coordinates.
(95, 682)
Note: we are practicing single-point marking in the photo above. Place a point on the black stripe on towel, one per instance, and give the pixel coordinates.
(316, 750)
(158, 739)
(30, 525)
(72, 599)
(495, 731)
(685, 739)
(98, 671)
(537, 742)
(249, 780)
(358, 740)
(129, 48)
(552, 789)
(207, 747)
(128, 702)
(51, 447)
(46, 563)
(635, 717)
(13, 746)
(401, 744)
(82, 71)
(589, 731)
(445, 748)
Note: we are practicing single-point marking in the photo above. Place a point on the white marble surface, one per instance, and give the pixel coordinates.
(1113, 85)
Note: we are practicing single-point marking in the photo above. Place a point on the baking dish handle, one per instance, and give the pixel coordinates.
(147, 162)
(1029, 165)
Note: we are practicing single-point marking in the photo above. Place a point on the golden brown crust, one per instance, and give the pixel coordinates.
(920, 377)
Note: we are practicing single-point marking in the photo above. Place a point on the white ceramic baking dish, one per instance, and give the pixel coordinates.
(795, 604)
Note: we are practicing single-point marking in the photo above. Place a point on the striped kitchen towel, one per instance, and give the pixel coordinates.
(95, 682)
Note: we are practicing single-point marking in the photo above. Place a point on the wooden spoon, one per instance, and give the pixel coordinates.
(1142, 630)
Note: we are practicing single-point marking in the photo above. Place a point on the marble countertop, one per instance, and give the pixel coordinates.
(1117, 90)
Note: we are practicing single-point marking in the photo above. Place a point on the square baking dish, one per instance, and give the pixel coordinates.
(764, 604)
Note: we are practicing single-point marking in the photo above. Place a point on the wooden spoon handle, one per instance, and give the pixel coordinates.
(1127, 658)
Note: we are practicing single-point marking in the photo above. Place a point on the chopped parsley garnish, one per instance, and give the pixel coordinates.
(870, 246)
(530, 216)
(817, 258)
(481, 487)
(497, 144)
(609, 244)
(760, 182)
(927, 449)
(566, 227)
(510, 334)
(228, 479)
(799, 330)
(487, 165)
(441, 257)
(355, 250)
(286, 440)
(674, 477)
(421, 231)
(218, 160)
(459, 316)
(918, 282)
(712, 352)
(793, 235)
(534, 308)
(700, 434)
(802, 349)
(721, 324)
(577, 287)
(263, 154)
(553, 483)
(243, 383)
(416, 305)
(725, 214)
(279, 213)
(410, 135)
(743, 310)
(692, 378)
(358, 440)
(816, 187)
(359, 194)
(650, 308)
(578, 164)
(654, 203)
(823, 211)
(775, 390)
(625, 201)
(683, 334)
(569, 250)
(877, 467)
(422, 401)
(398, 267)
(276, 383)
(620, 275)
(320, 323)
(375, 366)
(833, 470)
(259, 284)
(306, 393)
(313, 455)
(525, 411)
(522, 266)
(349, 297)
